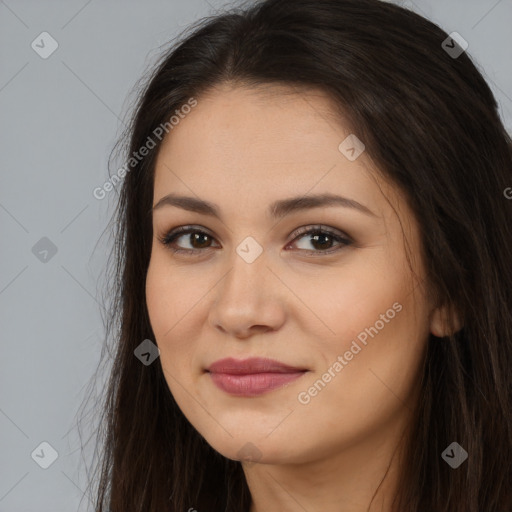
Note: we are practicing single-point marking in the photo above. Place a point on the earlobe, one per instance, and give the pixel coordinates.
(444, 321)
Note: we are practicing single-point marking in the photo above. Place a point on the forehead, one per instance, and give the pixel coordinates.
(263, 144)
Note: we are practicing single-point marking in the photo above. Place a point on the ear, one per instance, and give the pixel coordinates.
(444, 320)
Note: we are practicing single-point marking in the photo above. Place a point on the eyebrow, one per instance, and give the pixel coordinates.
(277, 210)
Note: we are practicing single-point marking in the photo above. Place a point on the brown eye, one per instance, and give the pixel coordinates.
(197, 239)
(322, 239)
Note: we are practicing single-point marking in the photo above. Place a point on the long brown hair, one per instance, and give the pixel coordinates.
(430, 122)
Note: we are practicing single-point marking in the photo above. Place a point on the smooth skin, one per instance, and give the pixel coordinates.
(242, 149)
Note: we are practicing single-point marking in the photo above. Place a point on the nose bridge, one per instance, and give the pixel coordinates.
(248, 275)
(246, 297)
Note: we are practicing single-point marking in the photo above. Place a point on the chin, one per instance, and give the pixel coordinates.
(256, 449)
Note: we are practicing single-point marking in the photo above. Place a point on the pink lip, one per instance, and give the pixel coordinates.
(253, 376)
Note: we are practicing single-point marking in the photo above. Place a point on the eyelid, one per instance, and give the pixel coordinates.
(320, 227)
(174, 233)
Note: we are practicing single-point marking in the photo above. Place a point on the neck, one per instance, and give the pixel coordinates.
(362, 477)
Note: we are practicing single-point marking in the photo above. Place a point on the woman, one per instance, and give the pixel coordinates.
(313, 272)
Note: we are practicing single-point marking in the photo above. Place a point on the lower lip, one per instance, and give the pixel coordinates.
(252, 384)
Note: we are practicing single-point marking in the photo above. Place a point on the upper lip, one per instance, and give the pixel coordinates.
(251, 365)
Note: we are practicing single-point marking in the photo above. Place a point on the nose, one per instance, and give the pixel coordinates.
(249, 299)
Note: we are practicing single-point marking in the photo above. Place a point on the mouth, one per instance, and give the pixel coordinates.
(252, 377)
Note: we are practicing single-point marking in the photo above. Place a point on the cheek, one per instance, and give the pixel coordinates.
(169, 294)
(371, 366)
(158, 296)
(377, 321)
(357, 295)
(168, 305)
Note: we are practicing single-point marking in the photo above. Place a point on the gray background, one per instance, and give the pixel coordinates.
(60, 117)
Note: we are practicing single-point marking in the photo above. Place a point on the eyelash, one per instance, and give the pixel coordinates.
(174, 234)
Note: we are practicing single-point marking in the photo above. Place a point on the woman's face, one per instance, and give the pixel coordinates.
(349, 316)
